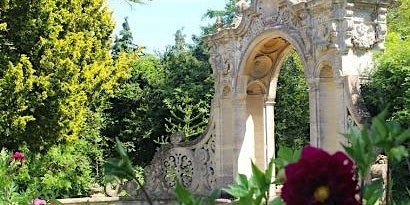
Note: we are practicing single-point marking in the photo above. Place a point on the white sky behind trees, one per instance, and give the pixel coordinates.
(154, 23)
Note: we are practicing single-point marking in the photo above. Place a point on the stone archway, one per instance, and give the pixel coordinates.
(334, 40)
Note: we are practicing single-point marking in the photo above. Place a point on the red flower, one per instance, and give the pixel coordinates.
(18, 156)
(319, 178)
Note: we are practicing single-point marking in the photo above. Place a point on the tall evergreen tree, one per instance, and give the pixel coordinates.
(55, 66)
(179, 40)
(189, 87)
(125, 42)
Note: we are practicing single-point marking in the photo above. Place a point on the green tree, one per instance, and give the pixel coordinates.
(189, 88)
(179, 40)
(125, 42)
(227, 16)
(55, 64)
(137, 113)
(292, 104)
(389, 86)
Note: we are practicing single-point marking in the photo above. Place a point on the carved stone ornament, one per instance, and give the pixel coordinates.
(191, 163)
(261, 66)
(177, 137)
(286, 17)
(363, 36)
(241, 6)
(379, 171)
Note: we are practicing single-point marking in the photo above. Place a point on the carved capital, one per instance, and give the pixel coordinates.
(313, 84)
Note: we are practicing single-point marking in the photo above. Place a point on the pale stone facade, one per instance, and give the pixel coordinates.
(334, 39)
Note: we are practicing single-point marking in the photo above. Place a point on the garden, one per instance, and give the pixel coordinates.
(82, 108)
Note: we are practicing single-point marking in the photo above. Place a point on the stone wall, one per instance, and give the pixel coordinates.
(123, 201)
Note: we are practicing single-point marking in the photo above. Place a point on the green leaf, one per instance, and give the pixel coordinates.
(373, 191)
(182, 194)
(268, 172)
(405, 135)
(277, 201)
(242, 180)
(398, 153)
(258, 177)
(237, 191)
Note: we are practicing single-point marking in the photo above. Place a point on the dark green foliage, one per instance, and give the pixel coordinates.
(189, 88)
(137, 113)
(398, 18)
(389, 86)
(292, 105)
(388, 136)
(65, 171)
(227, 15)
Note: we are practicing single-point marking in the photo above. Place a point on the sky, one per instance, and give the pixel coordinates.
(154, 23)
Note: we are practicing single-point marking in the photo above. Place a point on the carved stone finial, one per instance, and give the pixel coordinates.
(218, 23)
(177, 138)
(241, 6)
(379, 171)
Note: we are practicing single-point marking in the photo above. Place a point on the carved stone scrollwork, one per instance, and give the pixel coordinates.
(286, 17)
(225, 75)
(191, 163)
(179, 166)
(240, 7)
(363, 36)
(324, 31)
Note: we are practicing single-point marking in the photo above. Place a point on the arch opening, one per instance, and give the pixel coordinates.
(262, 69)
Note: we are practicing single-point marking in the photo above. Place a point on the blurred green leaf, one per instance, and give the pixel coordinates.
(373, 191)
(277, 201)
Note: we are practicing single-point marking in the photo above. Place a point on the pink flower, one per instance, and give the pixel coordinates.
(18, 156)
(319, 178)
(38, 201)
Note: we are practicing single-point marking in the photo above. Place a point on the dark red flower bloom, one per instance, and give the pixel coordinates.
(319, 178)
(18, 156)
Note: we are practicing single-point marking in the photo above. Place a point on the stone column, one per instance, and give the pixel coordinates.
(328, 113)
(269, 125)
(239, 117)
(224, 142)
(314, 111)
(341, 111)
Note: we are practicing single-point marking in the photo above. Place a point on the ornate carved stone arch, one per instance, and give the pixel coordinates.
(335, 40)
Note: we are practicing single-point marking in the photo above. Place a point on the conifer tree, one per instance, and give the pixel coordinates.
(125, 42)
(189, 88)
(55, 67)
